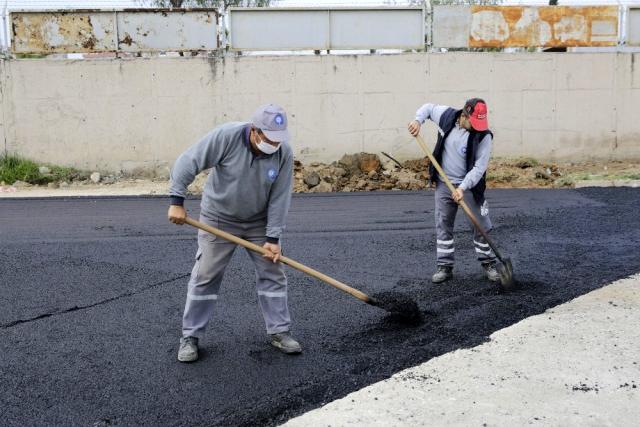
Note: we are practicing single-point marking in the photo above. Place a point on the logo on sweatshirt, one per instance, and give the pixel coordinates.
(272, 174)
(463, 150)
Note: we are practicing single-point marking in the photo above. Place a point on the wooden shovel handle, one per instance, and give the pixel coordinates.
(298, 266)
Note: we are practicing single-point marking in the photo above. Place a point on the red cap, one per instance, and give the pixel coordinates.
(476, 109)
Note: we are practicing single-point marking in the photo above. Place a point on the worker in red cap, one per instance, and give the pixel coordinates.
(463, 150)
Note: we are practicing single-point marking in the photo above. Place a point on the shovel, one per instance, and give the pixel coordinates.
(401, 306)
(505, 269)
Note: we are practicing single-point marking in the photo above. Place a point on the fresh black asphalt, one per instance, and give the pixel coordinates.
(92, 291)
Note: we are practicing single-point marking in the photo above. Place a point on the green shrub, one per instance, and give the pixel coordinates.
(15, 168)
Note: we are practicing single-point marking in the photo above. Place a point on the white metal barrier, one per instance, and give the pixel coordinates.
(327, 28)
(633, 26)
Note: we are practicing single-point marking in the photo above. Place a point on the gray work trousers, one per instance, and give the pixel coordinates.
(446, 209)
(212, 257)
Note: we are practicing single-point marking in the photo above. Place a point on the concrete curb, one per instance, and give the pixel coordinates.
(634, 183)
(151, 189)
(161, 189)
(576, 364)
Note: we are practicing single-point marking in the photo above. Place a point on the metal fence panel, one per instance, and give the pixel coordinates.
(51, 32)
(129, 30)
(633, 26)
(451, 26)
(377, 29)
(257, 29)
(327, 28)
(526, 26)
(161, 30)
(551, 26)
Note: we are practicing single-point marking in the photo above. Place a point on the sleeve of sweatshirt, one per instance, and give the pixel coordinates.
(205, 154)
(432, 112)
(480, 167)
(280, 200)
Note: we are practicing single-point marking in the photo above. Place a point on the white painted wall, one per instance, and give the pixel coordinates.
(119, 114)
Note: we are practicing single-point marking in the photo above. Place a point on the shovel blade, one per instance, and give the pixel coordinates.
(505, 270)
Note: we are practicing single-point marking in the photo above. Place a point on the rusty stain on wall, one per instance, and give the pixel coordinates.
(545, 26)
(127, 39)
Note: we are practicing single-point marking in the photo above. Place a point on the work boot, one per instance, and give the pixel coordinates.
(491, 272)
(444, 273)
(188, 349)
(285, 343)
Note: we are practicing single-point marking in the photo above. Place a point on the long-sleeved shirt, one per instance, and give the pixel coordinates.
(454, 161)
(242, 186)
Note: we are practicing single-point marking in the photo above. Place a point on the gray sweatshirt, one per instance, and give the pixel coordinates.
(454, 161)
(242, 186)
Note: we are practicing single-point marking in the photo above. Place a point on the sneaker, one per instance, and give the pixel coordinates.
(285, 342)
(188, 349)
(491, 272)
(443, 274)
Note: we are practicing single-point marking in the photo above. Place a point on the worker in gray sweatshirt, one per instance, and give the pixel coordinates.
(463, 150)
(247, 193)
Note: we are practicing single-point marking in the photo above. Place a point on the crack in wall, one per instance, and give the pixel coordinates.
(85, 307)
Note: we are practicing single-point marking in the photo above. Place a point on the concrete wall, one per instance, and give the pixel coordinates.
(5, 110)
(141, 113)
(2, 127)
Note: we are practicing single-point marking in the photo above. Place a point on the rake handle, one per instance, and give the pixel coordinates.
(462, 203)
(295, 264)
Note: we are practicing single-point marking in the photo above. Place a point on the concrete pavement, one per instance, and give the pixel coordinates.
(576, 364)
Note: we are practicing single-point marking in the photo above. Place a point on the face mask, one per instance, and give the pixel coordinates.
(267, 148)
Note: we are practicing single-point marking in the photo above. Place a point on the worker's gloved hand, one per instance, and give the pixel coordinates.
(274, 250)
(458, 195)
(177, 214)
(414, 128)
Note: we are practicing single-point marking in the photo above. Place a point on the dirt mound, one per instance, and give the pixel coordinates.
(360, 172)
(370, 172)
